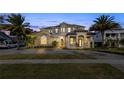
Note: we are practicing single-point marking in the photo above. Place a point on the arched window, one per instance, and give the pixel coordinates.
(62, 42)
(80, 41)
(72, 40)
(43, 40)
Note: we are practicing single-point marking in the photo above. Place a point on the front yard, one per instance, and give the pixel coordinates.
(59, 71)
(45, 56)
(110, 50)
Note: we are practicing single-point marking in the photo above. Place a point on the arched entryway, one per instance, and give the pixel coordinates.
(43, 40)
(62, 42)
(81, 41)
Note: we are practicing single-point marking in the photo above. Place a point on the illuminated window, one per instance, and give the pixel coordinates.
(72, 40)
(63, 29)
(44, 40)
(80, 42)
(49, 31)
(62, 42)
(69, 29)
(56, 30)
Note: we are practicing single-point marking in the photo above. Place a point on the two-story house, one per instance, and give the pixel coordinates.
(114, 38)
(67, 36)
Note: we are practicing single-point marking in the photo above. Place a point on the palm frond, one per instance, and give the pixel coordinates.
(104, 22)
(18, 24)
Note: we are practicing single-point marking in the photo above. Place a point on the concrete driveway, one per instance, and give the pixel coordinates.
(98, 55)
(35, 51)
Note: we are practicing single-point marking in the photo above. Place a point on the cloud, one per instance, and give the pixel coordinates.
(34, 26)
(52, 21)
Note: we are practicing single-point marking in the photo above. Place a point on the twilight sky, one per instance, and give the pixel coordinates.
(85, 19)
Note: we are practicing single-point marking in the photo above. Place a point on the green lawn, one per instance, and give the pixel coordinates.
(110, 50)
(59, 71)
(45, 56)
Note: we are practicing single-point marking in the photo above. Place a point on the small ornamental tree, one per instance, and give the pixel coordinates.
(54, 44)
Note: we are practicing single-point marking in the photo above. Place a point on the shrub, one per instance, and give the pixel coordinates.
(122, 42)
(54, 43)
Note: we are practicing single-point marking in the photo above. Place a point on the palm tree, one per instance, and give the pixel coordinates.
(1, 19)
(103, 23)
(17, 25)
(3, 24)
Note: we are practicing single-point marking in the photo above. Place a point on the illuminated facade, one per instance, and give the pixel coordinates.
(66, 36)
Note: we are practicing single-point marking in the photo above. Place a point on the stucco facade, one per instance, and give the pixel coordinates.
(114, 38)
(66, 36)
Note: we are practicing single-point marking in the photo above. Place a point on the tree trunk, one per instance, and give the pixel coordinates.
(18, 41)
(103, 42)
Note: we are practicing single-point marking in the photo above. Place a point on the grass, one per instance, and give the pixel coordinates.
(45, 56)
(59, 71)
(110, 50)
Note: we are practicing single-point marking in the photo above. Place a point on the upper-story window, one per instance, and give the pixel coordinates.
(56, 30)
(69, 29)
(50, 31)
(74, 28)
(63, 29)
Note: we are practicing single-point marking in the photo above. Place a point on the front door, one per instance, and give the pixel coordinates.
(80, 43)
